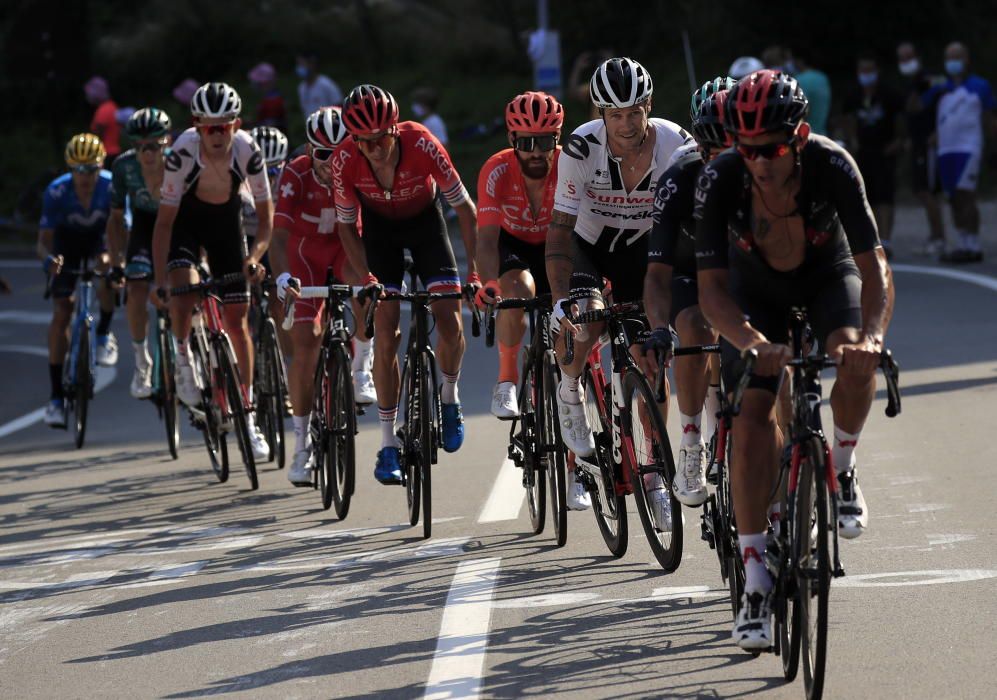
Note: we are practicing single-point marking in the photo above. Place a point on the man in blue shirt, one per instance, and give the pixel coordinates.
(74, 218)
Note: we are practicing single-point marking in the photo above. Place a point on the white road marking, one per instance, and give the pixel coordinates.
(166, 576)
(970, 277)
(949, 539)
(323, 533)
(80, 580)
(914, 578)
(105, 376)
(926, 507)
(38, 318)
(507, 495)
(37, 350)
(460, 650)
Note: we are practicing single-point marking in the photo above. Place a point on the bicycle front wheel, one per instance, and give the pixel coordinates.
(236, 408)
(214, 438)
(342, 431)
(83, 385)
(553, 450)
(426, 446)
(609, 503)
(528, 434)
(269, 398)
(168, 389)
(653, 472)
(411, 468)
(813, 583)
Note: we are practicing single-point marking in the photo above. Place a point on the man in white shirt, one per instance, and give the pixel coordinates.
(315, 90)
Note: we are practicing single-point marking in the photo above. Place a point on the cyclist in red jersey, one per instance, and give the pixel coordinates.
(515, 198)
(391, 171)
(306, 247)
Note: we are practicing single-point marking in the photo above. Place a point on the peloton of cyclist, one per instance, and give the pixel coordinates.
(515, 200)
(782, 222)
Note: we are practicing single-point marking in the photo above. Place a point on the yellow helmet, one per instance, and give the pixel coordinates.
(85, 149)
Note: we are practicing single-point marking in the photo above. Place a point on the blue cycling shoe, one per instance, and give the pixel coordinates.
(388, 470)
(453, 427)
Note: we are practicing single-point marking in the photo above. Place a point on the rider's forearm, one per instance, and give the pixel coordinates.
(488, 255)
(116, 235)
(877, 293)
(353, 246)
(278, 251)
(264, 229)
(658, 294)
(557, 254)
(161, 233)
(44, 247)
(723, 313)
(468, 219)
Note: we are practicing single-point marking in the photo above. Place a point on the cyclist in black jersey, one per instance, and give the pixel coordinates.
(671, 295)
(783, 221)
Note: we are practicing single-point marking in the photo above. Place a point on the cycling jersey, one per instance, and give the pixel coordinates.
(184, 166)
(62, 211)
(503, 202)
(673, 232)
(423, 164)
(590, 182)
(128, 188)
(305, 206)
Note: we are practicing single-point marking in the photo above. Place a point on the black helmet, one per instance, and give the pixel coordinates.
(148, 123)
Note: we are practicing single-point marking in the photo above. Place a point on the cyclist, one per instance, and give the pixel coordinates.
(274, 147)
(671, 296)
(306, 246)
(783, 221)
(74, 216)
(391, 171)
(515, 199)
(200, 208)
(606, 179)
(136, 182)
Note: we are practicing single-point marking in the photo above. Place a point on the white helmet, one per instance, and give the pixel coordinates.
(324, 127)
(272, 143)
(745, 65)
(214, 100)
(620, 82)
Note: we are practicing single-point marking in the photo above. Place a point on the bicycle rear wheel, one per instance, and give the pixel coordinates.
(342, 431)
(609, 505)
(235, 407)
(269, 400)
(168, 389)
(323, 408)
(654, 470)
(811, 538)
(214, 438)
(82, 385)
(553, 450)
(528, 437)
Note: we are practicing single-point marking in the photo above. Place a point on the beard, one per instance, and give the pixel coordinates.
(532, 167)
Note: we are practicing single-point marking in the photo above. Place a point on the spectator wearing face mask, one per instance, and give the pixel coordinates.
(920, 121)
(315, 90)
(965, 104)
(424, 102)
(873, 125)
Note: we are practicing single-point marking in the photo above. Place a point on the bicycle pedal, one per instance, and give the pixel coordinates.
(839, 572)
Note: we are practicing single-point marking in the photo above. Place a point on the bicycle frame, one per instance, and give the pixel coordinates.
(82, 315)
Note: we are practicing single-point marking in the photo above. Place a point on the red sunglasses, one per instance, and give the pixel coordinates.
(376, 140)
(769, 151)
(216, 128)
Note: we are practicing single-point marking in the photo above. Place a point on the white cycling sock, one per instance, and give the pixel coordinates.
(843, 449)
(387, 417)
(568, 389)
(711, 408)
(182, 350)
(302, 435)
(756, 576)
(363, 355)
(690, 429)
(448, 391)
(141, 348)
(775, 517)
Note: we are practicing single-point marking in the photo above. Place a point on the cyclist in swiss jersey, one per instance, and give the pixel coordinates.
(671, 296)
(515, 200)
(306, 247)
(783, 222)
(391, 172)
(200, 208)
(606, 177)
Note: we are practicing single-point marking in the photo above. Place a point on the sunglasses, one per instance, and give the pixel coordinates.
(379, 140)
(322, 154)
(85, 169)
(216, 128)
(769, 151)
(528, 144)
(156, 145)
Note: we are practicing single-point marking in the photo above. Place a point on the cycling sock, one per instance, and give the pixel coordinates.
(55, 377)
(711, 408)
(387, 417)
(508, 361)
(690, 429)
(104, 324)
(363, 355)
(756, 576)
(448, 392)
(775, 517)
(843, 449)
(181, 346)
(302, 436)
(567, 390)
(142, 358)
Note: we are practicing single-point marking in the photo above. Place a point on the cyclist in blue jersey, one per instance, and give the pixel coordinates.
(74, 215)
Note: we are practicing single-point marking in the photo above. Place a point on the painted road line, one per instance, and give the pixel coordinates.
(37, 350)
(22, 264)
(507, 496)
(39, 318)
(460, 650)
(105, 377)
(970, 277)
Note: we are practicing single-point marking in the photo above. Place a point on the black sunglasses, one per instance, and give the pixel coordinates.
(528, 144)
(322, 154)
(85, 169)
(151, 145)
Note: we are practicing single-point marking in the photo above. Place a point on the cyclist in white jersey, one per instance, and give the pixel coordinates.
(607, 175)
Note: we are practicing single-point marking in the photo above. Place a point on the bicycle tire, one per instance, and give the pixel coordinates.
(733, 565)
(814, 567)
(529, 434)
(323, 408)
(214, 439)
(340, 454)
(236, 407)
(81, 385)
(269, 402)
(614, 512)
(554, 450)
(168, 399)
(410, 459)
(787, 617)
(426, 448)
(665, 544)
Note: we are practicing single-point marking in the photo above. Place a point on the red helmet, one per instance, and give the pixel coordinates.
(369, 110)
(764, 102)
(534, 111)
(708, 126)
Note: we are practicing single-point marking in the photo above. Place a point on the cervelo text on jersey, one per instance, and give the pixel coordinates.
(423, 164)
(503, 201)
(305, 206)
(590, 182)
(184, 166)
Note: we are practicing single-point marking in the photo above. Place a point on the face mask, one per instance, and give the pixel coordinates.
(953, 67)
(868, 79)
(302, 72)
(910, 67)
(419, 110)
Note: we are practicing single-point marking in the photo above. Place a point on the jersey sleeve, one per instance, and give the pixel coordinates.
(847, 192)
(256, 173)
(119, 188)
(50, 210)
(443, 170)
(289, 191)
(172, 188)
(489, 190)
(345, 192)
(571, 174)
(710, 214)
(672, 204)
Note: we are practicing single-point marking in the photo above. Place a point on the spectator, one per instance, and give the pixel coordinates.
(923, 157)
(315, 90)
(271, 110)
(817, 88)
(745, 65)
(964, 103)
(424, 101)
(872, 114)
(105, 121)
(580, 77)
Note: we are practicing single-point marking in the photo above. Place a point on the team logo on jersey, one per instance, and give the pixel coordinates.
(493, 177)
(576, 147)
(255, 164)
(442, 162)
(174, 159)
(287, 190)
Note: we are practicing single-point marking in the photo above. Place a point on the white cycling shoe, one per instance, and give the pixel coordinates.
(753, 626)
(853, 514)
(55, 414)
(660, 501)
(141, 387)
(187, 390)
(364, 392)
(300, 473)
(261, 450)
(576, 497)
(690, 476)
(504, 401)
(575, 431)
(107, 350)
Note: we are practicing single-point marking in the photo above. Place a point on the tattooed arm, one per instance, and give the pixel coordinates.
(558, 253)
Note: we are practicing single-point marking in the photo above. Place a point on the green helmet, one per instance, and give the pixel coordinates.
(148, 123)
(721, 82)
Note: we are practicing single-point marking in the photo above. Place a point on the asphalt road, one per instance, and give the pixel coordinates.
(126, 574)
